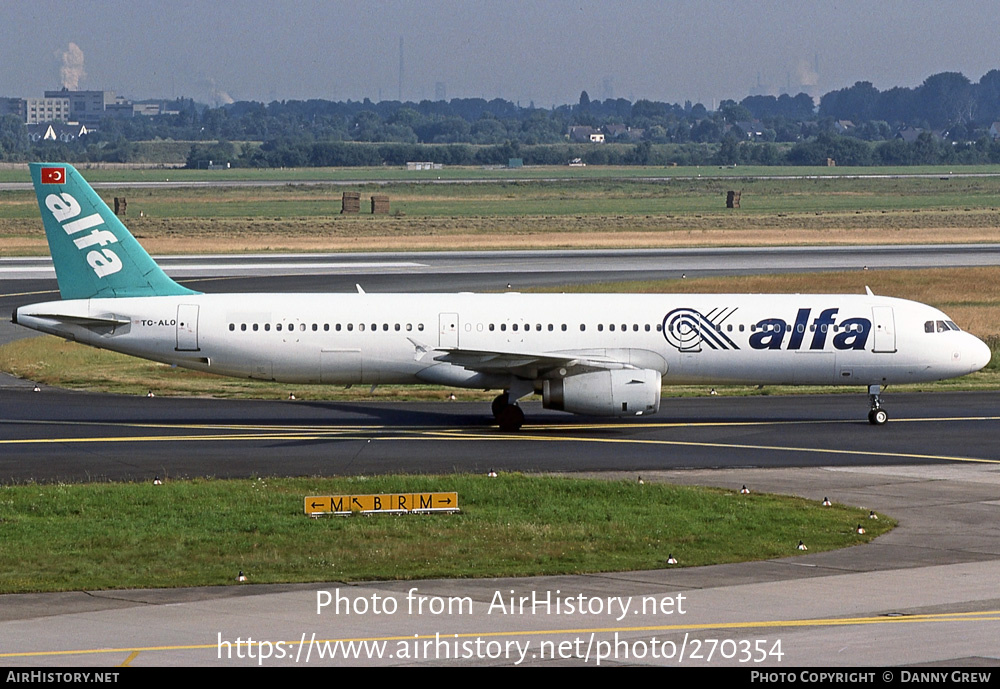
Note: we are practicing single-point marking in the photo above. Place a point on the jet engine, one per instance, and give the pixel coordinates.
(616, 392)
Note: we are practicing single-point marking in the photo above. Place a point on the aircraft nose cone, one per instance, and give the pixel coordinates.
(978, 354)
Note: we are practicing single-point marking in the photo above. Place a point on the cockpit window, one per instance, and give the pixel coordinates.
(940, 326)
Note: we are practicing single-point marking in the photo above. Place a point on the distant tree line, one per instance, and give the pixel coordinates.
(944, 101)
(947, 119)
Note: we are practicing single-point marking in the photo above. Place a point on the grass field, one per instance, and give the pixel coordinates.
(564, 214)
(203, 532)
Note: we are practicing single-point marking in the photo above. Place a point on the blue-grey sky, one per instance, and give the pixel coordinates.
(546, 51)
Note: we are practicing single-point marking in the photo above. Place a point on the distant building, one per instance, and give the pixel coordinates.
(621, 132)
(48, 109)
(613, 131)
(748, 130)
(86, 107)
(911, 134)
(423, 165)
(14, 106)
(121, 109)
(147, 109)
(582, 134)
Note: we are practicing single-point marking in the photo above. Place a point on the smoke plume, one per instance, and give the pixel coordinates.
(806, 74)
(215, 94)
(71, 71)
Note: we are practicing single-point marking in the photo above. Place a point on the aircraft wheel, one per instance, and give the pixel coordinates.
(511, 418)
(877, 417)
(499, 402)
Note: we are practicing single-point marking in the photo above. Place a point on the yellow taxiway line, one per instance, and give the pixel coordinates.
(965, 617)
(256, 432)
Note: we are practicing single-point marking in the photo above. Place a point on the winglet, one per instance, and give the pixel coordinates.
(93, 252)
(868, 291)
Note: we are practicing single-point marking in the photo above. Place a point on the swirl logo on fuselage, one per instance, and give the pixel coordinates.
(687, 329)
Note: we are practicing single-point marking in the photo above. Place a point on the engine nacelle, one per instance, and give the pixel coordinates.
(620, 392)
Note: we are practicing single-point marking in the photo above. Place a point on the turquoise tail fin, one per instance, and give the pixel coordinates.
(93, 252)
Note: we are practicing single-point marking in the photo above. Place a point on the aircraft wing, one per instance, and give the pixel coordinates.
(531, 365)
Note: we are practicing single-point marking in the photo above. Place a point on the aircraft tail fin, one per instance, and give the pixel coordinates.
(93, 252)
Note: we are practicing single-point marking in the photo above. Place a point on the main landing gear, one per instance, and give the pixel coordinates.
(509, 416)
(877, 416)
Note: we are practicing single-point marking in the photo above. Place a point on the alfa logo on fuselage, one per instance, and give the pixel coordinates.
(66, 210)
(851, 333)
(687, 330)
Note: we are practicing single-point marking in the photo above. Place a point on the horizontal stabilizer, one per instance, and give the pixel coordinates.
(85, 321)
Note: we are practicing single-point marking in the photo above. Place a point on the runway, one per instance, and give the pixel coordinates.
(925, 593)
(485, 270)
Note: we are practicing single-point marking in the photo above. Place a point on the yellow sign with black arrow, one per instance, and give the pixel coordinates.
(386, 503)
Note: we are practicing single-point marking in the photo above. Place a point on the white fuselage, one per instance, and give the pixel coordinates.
(403, 338)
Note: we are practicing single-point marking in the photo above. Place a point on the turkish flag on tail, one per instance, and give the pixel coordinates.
(53, 175)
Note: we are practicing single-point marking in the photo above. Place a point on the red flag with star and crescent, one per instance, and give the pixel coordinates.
(53, 175)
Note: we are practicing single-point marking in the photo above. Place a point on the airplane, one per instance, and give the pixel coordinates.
(589, 354)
